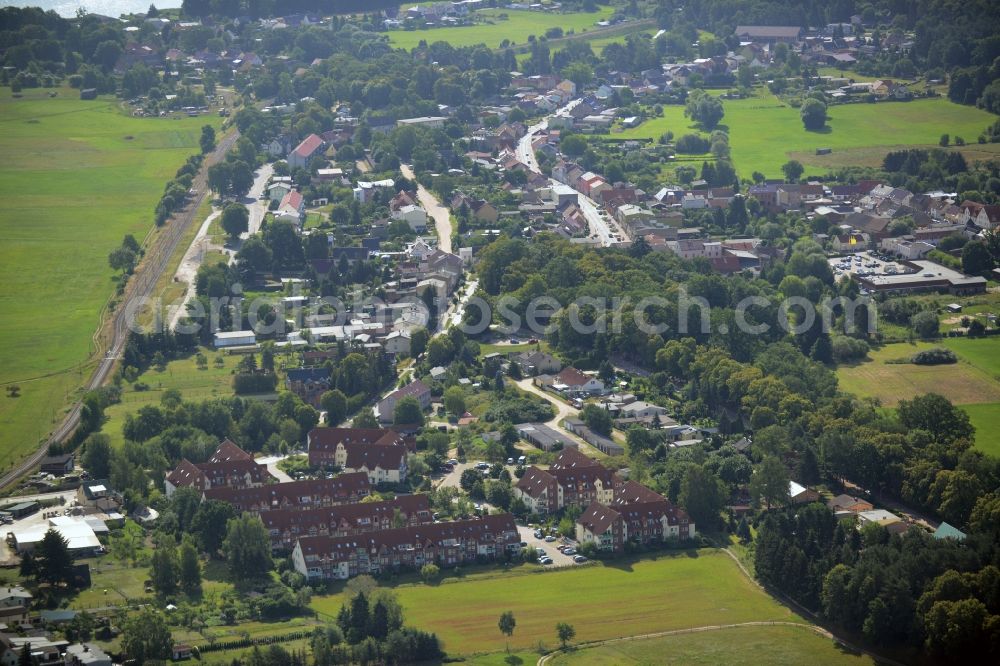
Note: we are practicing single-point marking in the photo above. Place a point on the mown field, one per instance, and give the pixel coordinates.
(973, 382)
(79, 175)
(770, 645)
(623, 598)
(765, 133)
(518, 25)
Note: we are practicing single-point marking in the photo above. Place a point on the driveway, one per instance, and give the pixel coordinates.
(253, 201)
(272, 467)
(440, 214)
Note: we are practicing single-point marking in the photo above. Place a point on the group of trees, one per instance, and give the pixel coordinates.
(895, 590)
(370, 628)
(175, 194)
(125, 257)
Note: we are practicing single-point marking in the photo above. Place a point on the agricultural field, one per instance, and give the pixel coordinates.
(518, 25)
(86, 175)
(973, 382)
(765, 133)
(621, 598)
(771, 645)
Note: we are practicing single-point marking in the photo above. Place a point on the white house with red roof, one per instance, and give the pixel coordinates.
(292, 208)
(571, 380)
(310, 147)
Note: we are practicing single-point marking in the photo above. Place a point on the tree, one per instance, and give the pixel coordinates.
(190, 574)
(408, 412)
(163, 569)
(122, 259)
(235, 219)
(454, 400)
(976, 258)
(769, 483)
(429, 572)
(247, 548)
(207, 139)
(573, 145)
(208, 519)
(704, 108)
(822, 349)
(793, 170)
(470, 477)
(53, 562)
(97, 455)
(418, 341)
(365, 419)
(935, 414)
(925, 324)
(507, 624)
(334, 403)
(565, 632)
(701, 495)
(813, 114)
(597, 419)
(146, 638)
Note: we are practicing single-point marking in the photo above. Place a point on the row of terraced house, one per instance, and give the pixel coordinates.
(328, 524)
(616, 510)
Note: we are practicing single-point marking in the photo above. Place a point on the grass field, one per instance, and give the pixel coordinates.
(771, 645)
(622, 598)
(765, 133)
(80, 175)
(973, 382)
(183, 375)
(516, 28)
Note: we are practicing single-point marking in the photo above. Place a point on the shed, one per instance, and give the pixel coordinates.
(234, 339)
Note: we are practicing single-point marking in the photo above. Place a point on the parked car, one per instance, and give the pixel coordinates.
(510, 461)
(569, 551)
(550, 539)
(579, 559)
(545, 560)
(538, 534)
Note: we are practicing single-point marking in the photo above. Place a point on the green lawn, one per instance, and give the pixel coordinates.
(973, 382)
(84, 175)
(770, 645)
(622, 598)
(184, 375)
(765, 133)
(517, 27)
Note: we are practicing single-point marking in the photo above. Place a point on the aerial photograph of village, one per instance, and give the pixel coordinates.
(558, 333)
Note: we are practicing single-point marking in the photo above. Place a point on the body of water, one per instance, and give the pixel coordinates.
(68, 8)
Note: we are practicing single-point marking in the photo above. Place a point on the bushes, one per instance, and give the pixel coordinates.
(846, 349)
(692, 144)
(935, 356)
(258, 382)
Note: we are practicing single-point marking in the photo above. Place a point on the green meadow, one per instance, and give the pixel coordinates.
(518, 25)
(973, 383)
(771, 645)
(78, 176)
(764, 132)
(620, 598)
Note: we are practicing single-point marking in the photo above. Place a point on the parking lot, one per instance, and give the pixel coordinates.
(865, 263)
(549, 547)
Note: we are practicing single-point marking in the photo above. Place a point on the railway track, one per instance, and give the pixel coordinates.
(139, 287)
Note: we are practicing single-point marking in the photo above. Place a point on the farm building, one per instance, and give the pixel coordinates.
(234, 339)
